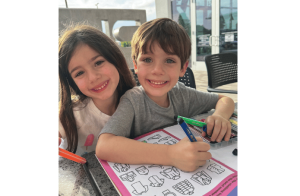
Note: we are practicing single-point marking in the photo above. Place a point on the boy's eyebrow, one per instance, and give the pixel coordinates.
(92, 59)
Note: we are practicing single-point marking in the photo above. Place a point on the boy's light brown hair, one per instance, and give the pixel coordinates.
(171, 37)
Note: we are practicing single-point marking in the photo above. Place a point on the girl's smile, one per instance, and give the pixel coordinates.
(101, 87)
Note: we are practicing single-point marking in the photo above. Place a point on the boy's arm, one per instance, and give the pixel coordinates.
(224, 107)
(185, 155)
(218, 124)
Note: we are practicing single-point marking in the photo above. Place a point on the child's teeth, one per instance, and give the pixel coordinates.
(101, 86)
(157, 82)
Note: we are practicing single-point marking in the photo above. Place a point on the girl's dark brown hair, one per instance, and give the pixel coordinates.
(171, 37)
(72, 37)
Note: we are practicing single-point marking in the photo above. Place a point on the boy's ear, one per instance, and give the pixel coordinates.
(183, 70)
(134, 65)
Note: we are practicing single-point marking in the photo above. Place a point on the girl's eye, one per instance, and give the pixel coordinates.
(98, 63)
(147, 60)
(79, 74)
(170, 61)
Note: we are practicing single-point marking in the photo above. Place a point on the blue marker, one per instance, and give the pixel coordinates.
(186, 130)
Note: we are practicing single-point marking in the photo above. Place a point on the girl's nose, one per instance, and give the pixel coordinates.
(94, 76)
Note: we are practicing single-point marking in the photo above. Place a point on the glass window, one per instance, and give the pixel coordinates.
(181, 14)
(228, 26)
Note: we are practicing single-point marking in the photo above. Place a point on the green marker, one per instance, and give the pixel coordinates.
(191, 121)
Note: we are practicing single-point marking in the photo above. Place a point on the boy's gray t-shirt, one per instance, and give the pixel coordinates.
(137, 114)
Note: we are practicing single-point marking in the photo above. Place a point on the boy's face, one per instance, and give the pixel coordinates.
(158, 72)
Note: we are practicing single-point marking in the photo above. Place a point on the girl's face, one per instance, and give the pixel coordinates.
(93, 74)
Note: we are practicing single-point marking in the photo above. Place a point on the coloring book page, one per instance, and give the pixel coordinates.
(214, 178)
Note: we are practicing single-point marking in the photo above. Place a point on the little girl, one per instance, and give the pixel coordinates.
(93, 75)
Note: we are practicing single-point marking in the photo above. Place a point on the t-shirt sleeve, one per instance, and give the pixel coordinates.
(121, 121)
(197, 101)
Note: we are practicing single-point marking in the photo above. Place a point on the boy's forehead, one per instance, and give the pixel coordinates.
(149, 47)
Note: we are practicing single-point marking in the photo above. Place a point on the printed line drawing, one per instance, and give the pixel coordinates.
(121, 167)
(184, 187)
(155, 143)
(156, 181)
(201, 178)
(164, 138)
(215, 168)
(168, 193)
(142, 170)
(171, 142)
(157, 136)
(171, 173)
(160, 166)
(128, 176)
(139, 188)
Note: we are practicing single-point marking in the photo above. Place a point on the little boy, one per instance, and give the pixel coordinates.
(160, 53)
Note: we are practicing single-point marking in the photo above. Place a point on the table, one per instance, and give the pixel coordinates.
(73, 180)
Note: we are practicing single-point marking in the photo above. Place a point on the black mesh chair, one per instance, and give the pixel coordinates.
(221, 70)
(188, 78)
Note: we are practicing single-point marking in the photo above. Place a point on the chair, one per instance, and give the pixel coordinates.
(188, 78)
(221, 70)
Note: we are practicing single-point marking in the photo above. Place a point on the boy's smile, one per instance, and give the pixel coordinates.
(158, 72)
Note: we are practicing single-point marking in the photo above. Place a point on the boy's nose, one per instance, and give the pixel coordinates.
(158, 69)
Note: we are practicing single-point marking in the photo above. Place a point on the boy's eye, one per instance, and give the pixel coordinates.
(79, 74)
(147, 60)
(170, 61)
(98, 63)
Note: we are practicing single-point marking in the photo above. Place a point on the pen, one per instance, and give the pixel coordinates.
(186, 130)
(92, 180)
(233, 121)
(71, 156)
(191, 121)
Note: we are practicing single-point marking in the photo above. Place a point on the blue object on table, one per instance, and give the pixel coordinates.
(186, 130)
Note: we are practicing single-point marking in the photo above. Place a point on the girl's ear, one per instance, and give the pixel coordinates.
(182, 71)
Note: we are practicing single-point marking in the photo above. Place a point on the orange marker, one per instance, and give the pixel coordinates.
(69, 155)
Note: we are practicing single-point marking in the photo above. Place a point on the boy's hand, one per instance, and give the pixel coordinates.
(187, 155)
(217, 128)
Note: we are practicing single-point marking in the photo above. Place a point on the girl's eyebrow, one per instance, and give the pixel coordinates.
(92, 59)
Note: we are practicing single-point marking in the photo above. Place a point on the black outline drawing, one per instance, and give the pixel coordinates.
(171, 142)
(184, 187)
(142, 170)
(128, 176)
(215, 168)
(156, 181)
(202, 178)
(164, 138)
(140, 191)
(154, 137)
(122, 167)
(168, 193)
(171, 173)
(160, 166)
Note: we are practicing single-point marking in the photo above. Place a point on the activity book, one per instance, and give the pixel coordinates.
(214, 178)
